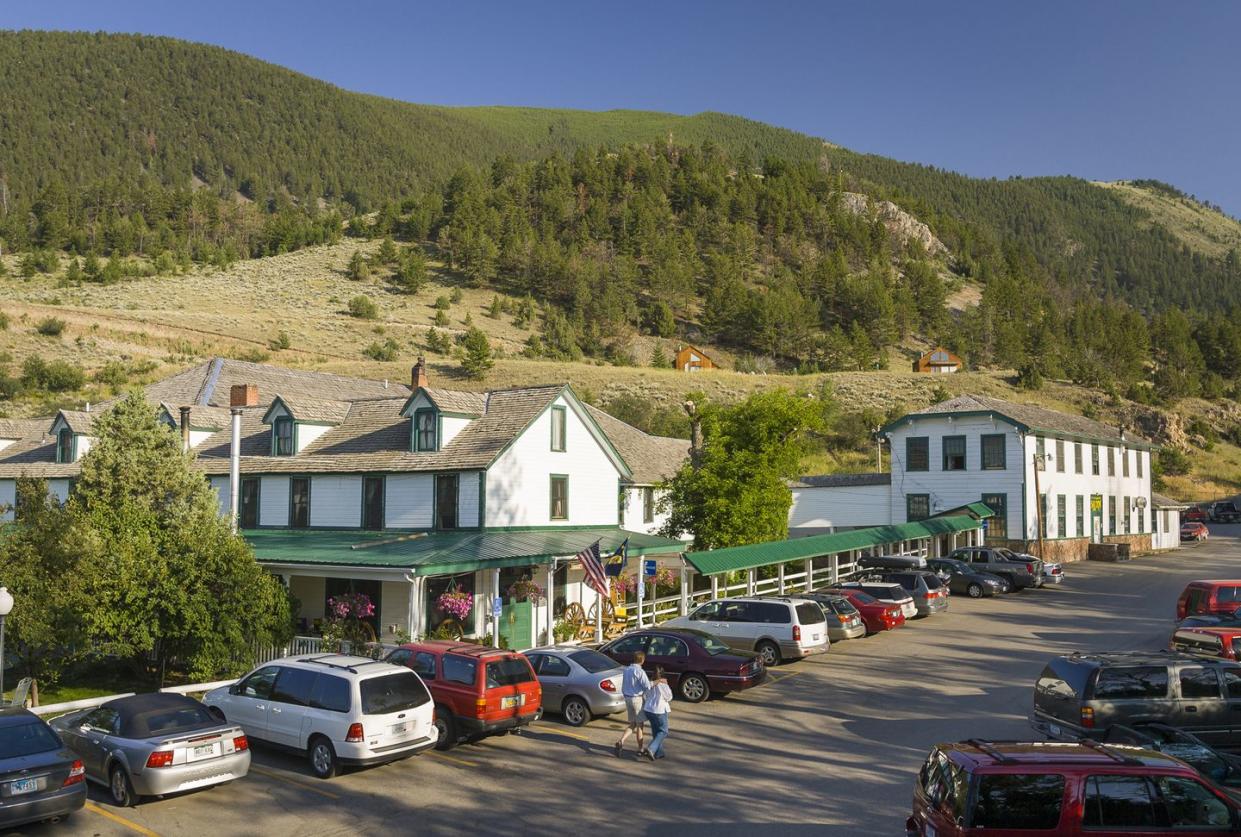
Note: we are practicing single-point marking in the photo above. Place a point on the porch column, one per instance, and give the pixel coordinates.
(809, 574)
(749, 582)
(715, 586)
(416, 587)
(551, 602)
(684, 611)
(495, 617)
(780, 579)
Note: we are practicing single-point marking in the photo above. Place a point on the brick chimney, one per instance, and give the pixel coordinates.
(243, 395)
(418, 375)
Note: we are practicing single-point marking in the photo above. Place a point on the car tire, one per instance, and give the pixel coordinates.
(120, 789)
(446, 728)
(693, 688)
(322, 757)
(770, 652)
(575, 711)
(974, 591)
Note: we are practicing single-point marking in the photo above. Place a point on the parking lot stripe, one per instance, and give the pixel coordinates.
(440, 755)
(284, 777)
(117, 818)
(576, 735)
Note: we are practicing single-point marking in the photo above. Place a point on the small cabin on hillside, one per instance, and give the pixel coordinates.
(692, 359)
(938, 360)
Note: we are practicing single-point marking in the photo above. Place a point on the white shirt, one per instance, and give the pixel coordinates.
(634, 681)
(658, 699)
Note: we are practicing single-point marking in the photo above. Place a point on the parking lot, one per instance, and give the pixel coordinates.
(832, 742)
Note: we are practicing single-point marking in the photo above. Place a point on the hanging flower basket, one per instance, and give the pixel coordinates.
(526, 590)
(456, 604)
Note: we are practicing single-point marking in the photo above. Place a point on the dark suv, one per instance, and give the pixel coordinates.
(1011, 788)
(1081, 695)
(1019, 573)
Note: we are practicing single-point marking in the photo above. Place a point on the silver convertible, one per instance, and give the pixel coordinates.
(154, 744)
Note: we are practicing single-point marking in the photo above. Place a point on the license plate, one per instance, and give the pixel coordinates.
(509, 702)
(202, 751)
(401, 728)
(817, 637)
(23, 786)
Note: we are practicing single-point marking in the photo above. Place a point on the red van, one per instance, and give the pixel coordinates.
(477, 690)
(1049, 787)
(1221, 598)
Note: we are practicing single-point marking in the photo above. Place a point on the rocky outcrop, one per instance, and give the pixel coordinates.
(901, 225)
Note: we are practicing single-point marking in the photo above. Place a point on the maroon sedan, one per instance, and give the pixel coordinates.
(876, 615)
(695, 662)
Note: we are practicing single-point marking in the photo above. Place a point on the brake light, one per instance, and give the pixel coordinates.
(241, 743)
(160, 758)
(797, 633)
(1087, 717)
(355, 734)
(77, 773)
(480, 707)
(843, 619)
(1030, 568)
(607, 686)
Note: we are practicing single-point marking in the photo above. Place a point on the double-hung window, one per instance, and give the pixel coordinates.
(282, 428)
(424, 430)
(373, 503)
(1128, 518)
(1111, 461)
(1124, 462)
(1077, 457)
(1137, 459)
(954, 453)
(1062, 524)
(1112, 503)
(1060, 455)
(64, 445)
(918, 453)
(1094, 460)
(299, 502)
(1080, 508)
(446, 486)
(558, 428)
(993, 452)
(559, 493)
(917, 507)
(648, 504)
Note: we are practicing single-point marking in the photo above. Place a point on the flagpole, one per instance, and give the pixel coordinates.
(607, 588)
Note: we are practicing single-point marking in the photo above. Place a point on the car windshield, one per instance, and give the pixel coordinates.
(863, 598)
(27, 739)
(592, 661)
(709, 644)
(508, 672)
(844, 606)
(932, 582)
(394, 692)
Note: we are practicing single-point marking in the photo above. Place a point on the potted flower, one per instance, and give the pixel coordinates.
(456, 603)
(525, 590)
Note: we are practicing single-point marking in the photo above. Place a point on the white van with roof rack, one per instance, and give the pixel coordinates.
(337, 709)
(777, 627)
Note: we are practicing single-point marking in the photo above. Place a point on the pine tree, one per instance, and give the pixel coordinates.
(358, 268)
(476, 361)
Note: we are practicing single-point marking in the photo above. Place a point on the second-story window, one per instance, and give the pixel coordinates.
(1060, 455)
(64, 445)
(559, 498)
(1077, 457)
(917, 453)
(954, 453)
(282, 429)
(1111, 461)
(299, 502)
(558, 428)
(1124, 462)
(1094, 460)
(424, 430)
(993, 452)
(648, 505)
(1137, 460)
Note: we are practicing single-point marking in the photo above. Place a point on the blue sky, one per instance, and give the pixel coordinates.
(1104, 90)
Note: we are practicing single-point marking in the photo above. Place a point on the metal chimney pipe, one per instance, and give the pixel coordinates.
(234, 470)
(185, 429)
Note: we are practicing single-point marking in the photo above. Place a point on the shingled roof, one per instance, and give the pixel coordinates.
(209, 384)
(324, 410)
(79, 421)
(1032, 419)
(652, 459)
(457, 401)
(23, 428)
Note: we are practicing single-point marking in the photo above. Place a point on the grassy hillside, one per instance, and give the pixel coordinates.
(1202, 228)
(147, 328)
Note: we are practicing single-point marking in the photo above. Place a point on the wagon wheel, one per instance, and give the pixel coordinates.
(609, 612)
(574, 615)
(451, 628)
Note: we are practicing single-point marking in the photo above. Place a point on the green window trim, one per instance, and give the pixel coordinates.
(279, 436)
(1062, 516)
(997, 526)
(368, 479)
(1128, 516)
(917, 507)
(1077, 458)
(1112, 502)
(622, 501)
(917, 453)
(553, 481)
(559, 427)
(1060, 456)
(448, 478)
(953, 448)
(1124, 462)
(1094, 460)
(293, 480)
(421, 442)
(994, 458)
(1080, 514)
(1137, 461)
(648, 504)
(66, 446)
(1111, 461)
(1044, 509)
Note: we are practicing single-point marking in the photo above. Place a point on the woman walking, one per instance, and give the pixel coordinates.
(656, 707)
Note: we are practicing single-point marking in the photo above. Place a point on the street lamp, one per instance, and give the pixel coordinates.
(6, 607)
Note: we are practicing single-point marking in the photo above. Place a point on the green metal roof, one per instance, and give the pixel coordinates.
(778, 552)
(437, 553)
(978, 510)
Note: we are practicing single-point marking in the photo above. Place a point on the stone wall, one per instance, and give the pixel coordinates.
(1067, 550)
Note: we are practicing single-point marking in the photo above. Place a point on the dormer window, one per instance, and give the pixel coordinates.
(64, 445)
(424, 430)
(282, 436)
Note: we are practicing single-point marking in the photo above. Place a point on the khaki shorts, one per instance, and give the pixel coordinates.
(634, 707)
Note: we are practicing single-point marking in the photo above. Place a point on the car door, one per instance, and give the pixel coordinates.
(670, 653)
(1131, 694)
(554, 675)
(623, 649)
(290, 699)
(1231, 678)
(733, 624)
(248, 701)
(90, 739)
(1201, 709)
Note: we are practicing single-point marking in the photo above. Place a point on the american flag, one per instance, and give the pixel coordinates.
(593, 565)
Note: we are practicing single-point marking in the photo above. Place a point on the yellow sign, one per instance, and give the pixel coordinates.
(1096, 503)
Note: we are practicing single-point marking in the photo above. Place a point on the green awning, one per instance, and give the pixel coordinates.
(440, 553)
(978, 510)
(748, 557)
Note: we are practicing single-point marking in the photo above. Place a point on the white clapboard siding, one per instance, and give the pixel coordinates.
(58, 489)
(274, 501)
(335, 501)
(220, 486)
(450, 426)
(467, 499)
(816, 510)
(408, 501)
(8, 496)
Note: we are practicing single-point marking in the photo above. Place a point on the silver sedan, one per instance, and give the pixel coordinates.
(154, 744)
(579, 683)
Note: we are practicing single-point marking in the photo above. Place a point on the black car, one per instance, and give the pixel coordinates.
(40, 778)
(891, 562)
(1221, 768)
(696, 663)
(965, 579)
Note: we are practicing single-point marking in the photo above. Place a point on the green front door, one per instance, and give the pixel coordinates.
(1096, 518)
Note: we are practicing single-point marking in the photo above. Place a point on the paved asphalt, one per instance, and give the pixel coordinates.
(830, 745)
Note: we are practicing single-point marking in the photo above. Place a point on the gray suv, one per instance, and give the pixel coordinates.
(1082, 695)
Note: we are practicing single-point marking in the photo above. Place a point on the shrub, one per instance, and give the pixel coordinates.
(4, 321)
(442, 303)
(50, 327)
(385, 351)
(438, 342)
(358, 267)
(1172, 462)
(387, 251)
(456, 295)
(441, 319)
(53, 376)
(280, 341)
(494, 309)
(363, 308)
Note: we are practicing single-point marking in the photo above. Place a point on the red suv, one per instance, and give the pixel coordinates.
(1009, 788)
(876, 615)
(1221, 598)
(477, 690)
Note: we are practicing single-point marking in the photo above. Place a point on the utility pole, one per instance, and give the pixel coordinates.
(1039, 464)
(878, 452)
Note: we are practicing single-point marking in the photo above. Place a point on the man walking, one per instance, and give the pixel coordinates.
(634, 684)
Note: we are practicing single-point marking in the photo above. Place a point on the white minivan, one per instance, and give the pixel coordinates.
(337, 709)
(777, 627)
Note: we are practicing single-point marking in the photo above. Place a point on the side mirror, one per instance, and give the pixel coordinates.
(234, 689)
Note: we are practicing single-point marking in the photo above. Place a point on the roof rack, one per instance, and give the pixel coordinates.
(1100, 747)
(323, 661)
(988, 749)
